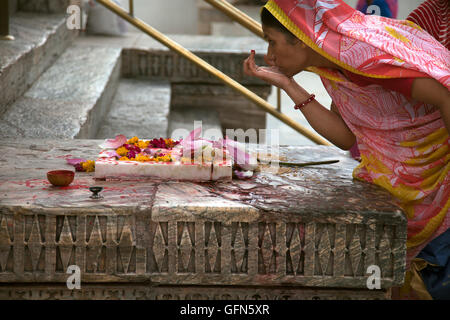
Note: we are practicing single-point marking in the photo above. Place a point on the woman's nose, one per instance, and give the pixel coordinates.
(270, 54)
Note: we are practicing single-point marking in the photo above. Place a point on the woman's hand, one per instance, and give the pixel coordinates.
(270, 74)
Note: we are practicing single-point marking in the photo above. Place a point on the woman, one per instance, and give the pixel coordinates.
(389, 82)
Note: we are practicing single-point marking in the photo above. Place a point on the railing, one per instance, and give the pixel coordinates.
(4, 21)
(212, 70)
(238, 16)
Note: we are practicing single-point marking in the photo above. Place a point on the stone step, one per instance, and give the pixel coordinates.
(39, 40)
(191, 86)
(183, 120)
(139, 108)
(70, 99)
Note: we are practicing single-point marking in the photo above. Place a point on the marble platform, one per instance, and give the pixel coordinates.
(298, 233)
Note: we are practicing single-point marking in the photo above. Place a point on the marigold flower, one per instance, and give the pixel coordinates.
(142, 157)
(169, 143)
(122, 151)
(142, 144)
(124, 159)
(133, 140)
(88, 166)
(165, 158)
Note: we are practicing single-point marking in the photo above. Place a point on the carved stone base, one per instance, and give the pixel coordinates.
(143, 292)
(243, 239)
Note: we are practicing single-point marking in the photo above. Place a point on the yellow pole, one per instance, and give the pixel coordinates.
(238, 16)
(278, 99)
(131, 7)
(210, 69)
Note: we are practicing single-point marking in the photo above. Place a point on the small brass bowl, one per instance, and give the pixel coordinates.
(60, 178)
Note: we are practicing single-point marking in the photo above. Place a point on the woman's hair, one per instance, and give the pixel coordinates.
(268, 20)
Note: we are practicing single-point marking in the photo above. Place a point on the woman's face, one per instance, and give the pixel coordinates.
(291, 56)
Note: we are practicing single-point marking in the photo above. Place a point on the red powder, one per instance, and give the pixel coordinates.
(74, 187)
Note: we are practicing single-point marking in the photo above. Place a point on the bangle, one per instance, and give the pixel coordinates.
(301, 105)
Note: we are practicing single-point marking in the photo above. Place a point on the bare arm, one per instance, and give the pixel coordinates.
(327, 123)
(432, 92)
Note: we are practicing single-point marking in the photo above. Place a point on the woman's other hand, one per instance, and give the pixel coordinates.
(270, 74)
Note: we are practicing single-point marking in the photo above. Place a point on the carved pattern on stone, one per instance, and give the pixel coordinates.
(295, 243)
(155, 65)
(239, 247)
(126, 250)
(184, 293)
(95, 251)
(384, 251)
(353, 250)
(107, 245)
(6, 244)
(324, 255)
(168, 65)
(267, 248)
(65, 250)
(34, 251)
(159, 248)
(185, 247)
(213, 244)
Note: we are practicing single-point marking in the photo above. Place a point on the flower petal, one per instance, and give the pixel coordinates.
(108, 154)
(240, 157)
(243, 174)
(115, 143)
(75, 161)
(195, 147)
(194, 134)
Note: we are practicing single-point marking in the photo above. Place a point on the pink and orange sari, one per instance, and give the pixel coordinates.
(404, 144)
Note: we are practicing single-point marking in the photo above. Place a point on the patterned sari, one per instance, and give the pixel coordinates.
(404, 144)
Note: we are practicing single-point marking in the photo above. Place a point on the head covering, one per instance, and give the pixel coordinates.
(404, 145)
(368, 45)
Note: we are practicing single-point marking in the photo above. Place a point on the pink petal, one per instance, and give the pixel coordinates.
(195, 147)
(240, 157)
(218, 144)
(192, 136)
(108, 154)
(195, 134)
(75, 161)
(115, 143)
(243, 174)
